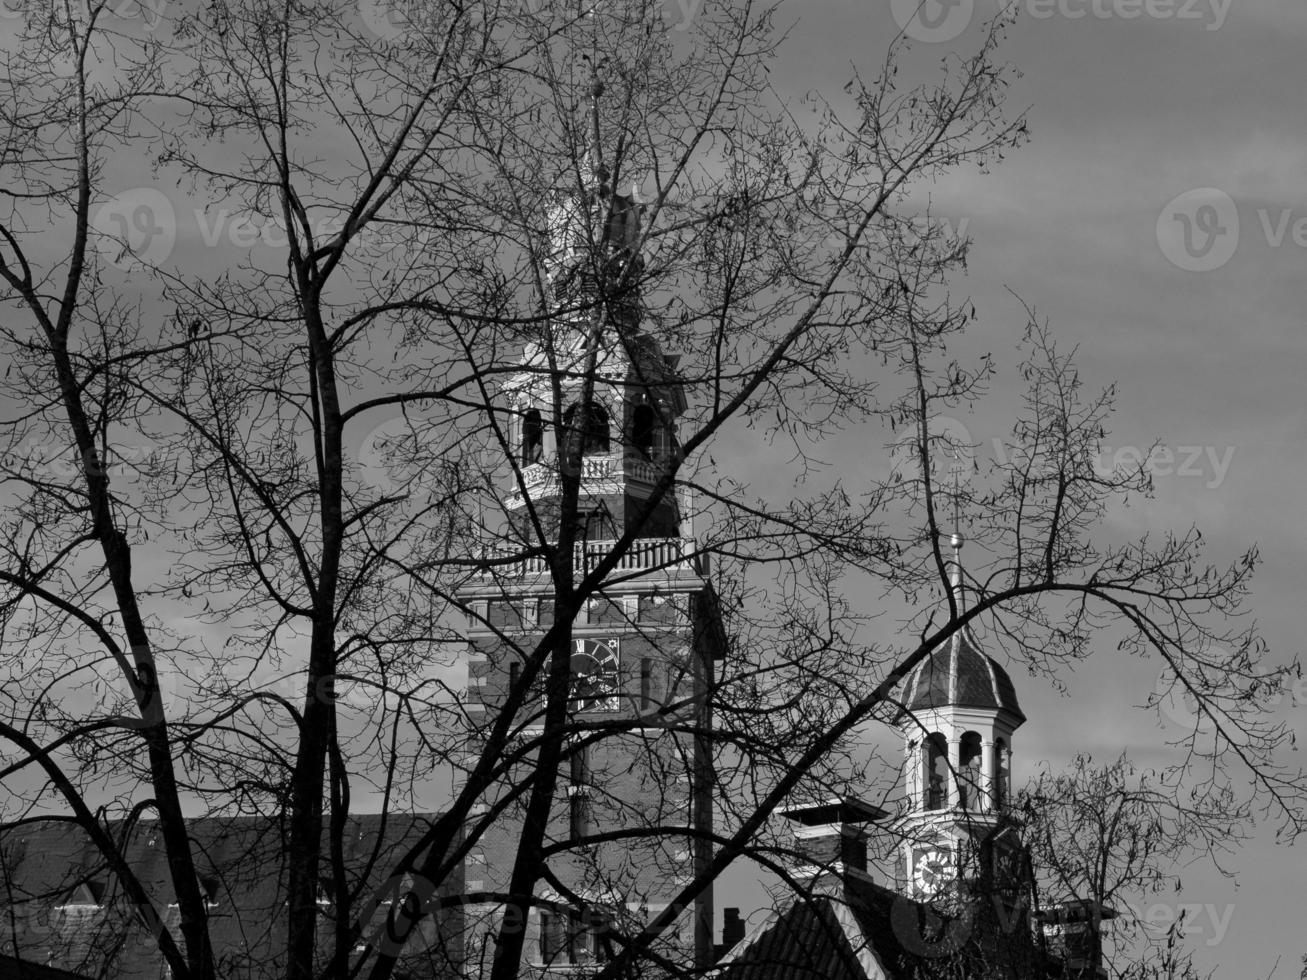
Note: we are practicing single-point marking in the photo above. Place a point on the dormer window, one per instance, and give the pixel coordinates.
(208, 887)
(533, 437)
(208, 890)
(88, 895)
(571, 937)
(80, 906)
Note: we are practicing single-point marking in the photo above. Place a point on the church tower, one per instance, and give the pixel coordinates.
(592, 415)
(959, 712)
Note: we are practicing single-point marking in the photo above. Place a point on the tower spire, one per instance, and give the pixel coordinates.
(593, 263)
(955, 579)
(594, 154)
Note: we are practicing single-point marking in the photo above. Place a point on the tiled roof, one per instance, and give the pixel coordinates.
(958, 674)
(862, 931)
(50, 875)
(806, 942)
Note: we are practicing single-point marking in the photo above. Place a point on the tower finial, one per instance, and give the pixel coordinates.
(955, 580)
(594, 159)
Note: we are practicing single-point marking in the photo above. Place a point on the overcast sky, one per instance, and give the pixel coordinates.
(1154, 218)
(1158, 219)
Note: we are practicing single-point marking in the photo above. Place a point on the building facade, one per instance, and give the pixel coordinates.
(597, 393)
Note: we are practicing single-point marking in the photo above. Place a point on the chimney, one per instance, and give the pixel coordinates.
(1072, 930)
(732, 932)
(830, 835)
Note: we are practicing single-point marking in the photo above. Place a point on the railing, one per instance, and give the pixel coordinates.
(611, 467)
(644, 554)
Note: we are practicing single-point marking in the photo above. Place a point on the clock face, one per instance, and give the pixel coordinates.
(594, 676)
(932, 869)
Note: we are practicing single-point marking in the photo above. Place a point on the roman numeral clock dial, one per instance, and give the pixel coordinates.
(594, 675)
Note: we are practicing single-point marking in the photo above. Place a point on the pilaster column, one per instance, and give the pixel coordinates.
(987, 774)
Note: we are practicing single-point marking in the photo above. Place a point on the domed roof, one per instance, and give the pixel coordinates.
(957, 674)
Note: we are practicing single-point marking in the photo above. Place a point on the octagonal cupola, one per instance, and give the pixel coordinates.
(958, 711)
(958, 674)
(593, 382)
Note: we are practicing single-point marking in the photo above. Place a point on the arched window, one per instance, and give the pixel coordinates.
(1002, 772)
(596, 430)
(593, 428)
(912, 770)
(665, 439)
(935, 758)
(533, 437)
(644, 422)
(969, 784)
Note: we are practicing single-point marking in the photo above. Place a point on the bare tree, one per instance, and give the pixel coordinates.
(1103, 838)
(450, 230)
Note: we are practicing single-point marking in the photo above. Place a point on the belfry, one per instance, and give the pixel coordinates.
(958, 714)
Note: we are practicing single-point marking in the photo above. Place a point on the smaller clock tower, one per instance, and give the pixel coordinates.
(959, 712)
